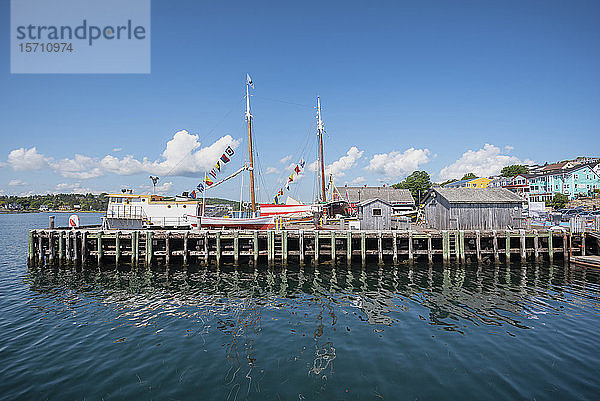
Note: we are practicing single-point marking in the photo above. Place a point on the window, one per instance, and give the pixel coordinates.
(376, 212)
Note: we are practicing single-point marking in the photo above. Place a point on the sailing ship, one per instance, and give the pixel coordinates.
(128, 211)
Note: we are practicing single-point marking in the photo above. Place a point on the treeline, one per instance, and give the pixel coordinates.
(87, 202)
(55, 202)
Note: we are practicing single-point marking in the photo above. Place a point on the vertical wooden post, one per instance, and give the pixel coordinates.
(99, 242)
(429, 248)
(218, 240)
(522, 245)
(348, 248)
(536, 244)
(379, 247)
(445, 246)
(333, 251)
(206, 248)
(84, 250)
(256, 251)
(411, 255)
(495, 244)
(363, 248)
(461, 245)
(582, 244)
(507, 246)
(236, 247)
(40, 249)
(478, 244)
(316, 247)
(550, 246)
(75, 259)
(135, 247)
(117, 248)
(168, 248)
(269, 248)
(284, 246)
(457, 245)
(565, 245)
(61, 250)
(395, 247)
(148, 248)
(68, 247)
(185, 248)
(30, 247)
(301, 240)
(51, 247)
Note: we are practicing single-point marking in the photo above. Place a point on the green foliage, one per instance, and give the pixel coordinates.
(87, 202)
(469, 176)
(515, 169)
(559, 201)
(448, 182)
(418, 181)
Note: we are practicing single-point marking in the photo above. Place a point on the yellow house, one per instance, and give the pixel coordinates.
(480, 182)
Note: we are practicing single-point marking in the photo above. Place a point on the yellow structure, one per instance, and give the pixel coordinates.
(480, 182)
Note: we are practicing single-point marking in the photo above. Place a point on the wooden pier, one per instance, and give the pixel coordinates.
(92, 247)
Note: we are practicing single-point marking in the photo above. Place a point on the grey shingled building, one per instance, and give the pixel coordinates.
(473, 209)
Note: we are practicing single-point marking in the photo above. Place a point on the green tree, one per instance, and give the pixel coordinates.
(469, 176)
(448, 182)
(515, 169)
(418, 183)
(559, 201)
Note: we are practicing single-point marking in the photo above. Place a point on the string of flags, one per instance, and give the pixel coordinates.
(207, 181)
(299, 167)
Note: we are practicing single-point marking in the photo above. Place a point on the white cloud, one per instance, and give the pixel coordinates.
(358, 181)
(272, 170)
(80, 167)
(183, 156)
(161, 189)
(484, 162)
(396, 164)
(285, 159)
(339, 167)
(117, 149)
(17, 183)
(27, 159)
(74, 188)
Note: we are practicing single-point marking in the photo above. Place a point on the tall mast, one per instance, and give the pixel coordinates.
(249, 121)
(320, 130)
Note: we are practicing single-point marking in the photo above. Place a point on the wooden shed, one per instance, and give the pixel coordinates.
(473, 209)
(375, 214)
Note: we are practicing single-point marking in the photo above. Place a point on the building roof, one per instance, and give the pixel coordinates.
(368, 201)
(476, 195)
(456, 184)
(388, 194)
(555, 166)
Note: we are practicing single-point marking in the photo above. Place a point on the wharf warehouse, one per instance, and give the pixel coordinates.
(375, 214)
(473, 209)
(400, 200)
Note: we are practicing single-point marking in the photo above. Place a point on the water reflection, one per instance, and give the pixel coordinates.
(230, 307)
(491, 295)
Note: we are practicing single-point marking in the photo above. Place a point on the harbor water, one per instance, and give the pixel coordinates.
(483, 332)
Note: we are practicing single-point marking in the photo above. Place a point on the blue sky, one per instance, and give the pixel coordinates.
(446, 87)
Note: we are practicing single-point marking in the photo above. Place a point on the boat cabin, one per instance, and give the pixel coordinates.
(132, 212)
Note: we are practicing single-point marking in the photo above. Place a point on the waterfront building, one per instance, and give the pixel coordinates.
(400, 199)
(580, 180)
(481, 182)
(473, 209)
(374, 214)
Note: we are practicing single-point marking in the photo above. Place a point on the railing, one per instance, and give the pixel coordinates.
(169, 221)
(125, 212)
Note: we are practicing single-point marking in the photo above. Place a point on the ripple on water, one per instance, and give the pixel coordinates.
(297, 333)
